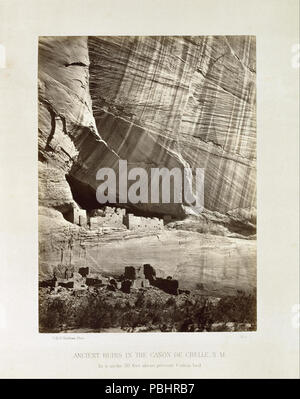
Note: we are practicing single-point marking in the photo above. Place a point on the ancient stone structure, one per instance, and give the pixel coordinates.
(93, 281)
(133, 222)
(96, 212)
(66, 283)
(130, 272)
(145, 276)
(108, 217)
(117, 217)
(126, 286)
(149, 272)
(83, 219)
(140, 283)
(47, 283)
(92, 278)
(77, 216)
(81, 280)
(84, 271)
(61, 271)
(113, 282)
(134, 277)
(168, 285)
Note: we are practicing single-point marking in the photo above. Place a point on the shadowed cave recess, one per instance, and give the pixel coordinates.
(85, 196)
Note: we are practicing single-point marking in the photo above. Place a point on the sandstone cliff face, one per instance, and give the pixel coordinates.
(178, 101)
(153, 101)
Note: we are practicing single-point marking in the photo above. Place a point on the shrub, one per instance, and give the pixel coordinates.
(109, 309)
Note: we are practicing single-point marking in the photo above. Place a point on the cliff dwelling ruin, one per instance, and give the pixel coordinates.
(85, 212)
(113, 217)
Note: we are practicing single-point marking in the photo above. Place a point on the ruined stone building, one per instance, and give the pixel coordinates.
(133, 278)
(144, 277)
(108, 217)
(137, 277)
(133, 222)
(67, 277)
(112, 217)
(77, 216)
(117, 218)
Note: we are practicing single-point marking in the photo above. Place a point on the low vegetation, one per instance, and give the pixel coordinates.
(145, 310)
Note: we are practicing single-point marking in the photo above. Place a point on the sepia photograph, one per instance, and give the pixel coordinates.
(149, 233)
(147, 183)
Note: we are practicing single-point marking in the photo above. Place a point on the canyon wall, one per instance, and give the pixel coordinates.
(181, 101)
(216, 264)
(155, 102)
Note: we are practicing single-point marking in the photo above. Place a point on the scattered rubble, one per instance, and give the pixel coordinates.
(142, 277)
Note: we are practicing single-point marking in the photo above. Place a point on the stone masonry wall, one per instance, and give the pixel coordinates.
(111, 217)
(133, 222)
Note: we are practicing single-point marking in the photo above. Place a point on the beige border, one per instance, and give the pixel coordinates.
(272, 351)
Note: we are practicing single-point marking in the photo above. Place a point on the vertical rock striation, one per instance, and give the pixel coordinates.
(181, 101)
(155, 102)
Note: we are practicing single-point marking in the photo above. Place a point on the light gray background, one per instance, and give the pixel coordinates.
(272, 351)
